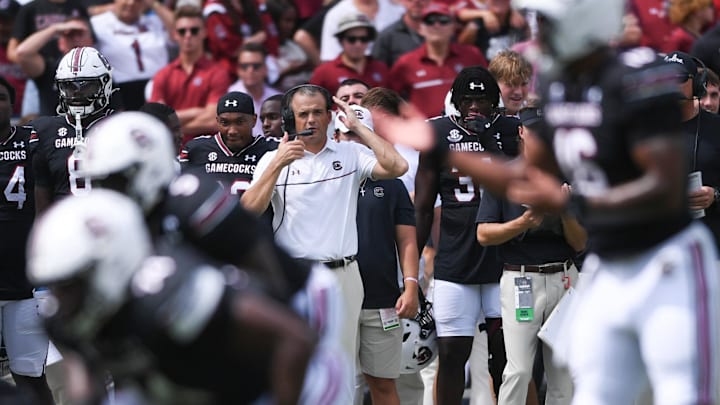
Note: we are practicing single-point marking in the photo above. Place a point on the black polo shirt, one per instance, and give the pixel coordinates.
(382, 204)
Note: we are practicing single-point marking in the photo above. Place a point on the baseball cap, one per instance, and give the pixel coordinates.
(9, 8)
(363, 115)
(235, 101)
(684, 62)
(354, 20)
(531, 116)
(437, 8)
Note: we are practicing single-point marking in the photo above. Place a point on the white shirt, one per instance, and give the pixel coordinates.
(267, 93)
(319, 202)
(388, 13)
(137, 51)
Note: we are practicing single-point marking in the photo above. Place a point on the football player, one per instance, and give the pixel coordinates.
(466, 274)
(84, 81)
(614, 130)
(21, 330)
(230, 155)
(170, 315)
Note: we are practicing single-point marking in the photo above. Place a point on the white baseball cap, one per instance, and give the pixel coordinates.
(363, 115)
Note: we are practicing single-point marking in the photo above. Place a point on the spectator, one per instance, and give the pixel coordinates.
(252, 73)
(10, 70)
(424, 76)
(381, 13)
(512, 72)
(537, 249)
(40, 67)
(352, 91)
(401, 36)
(191, 84)
(652, 16)
(386, 237)
(135, 44)
(711, 100)
(294, 65)
(309, 35)
(692, 18)
(492, 26)
(706, 48)
(230, 24)
(35, 16)
(320, 170)
(271, 117)
(354, 32)
(21, 328)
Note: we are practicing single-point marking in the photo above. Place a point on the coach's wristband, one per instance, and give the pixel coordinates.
(413, 279)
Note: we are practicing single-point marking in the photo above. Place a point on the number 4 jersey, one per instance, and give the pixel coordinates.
(460, 258)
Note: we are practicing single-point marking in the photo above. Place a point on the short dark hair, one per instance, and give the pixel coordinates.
(276, 97)
(253, 47)
(10, 89)
(385, 99)
(352, 81)
(159, 110)
(712, 77)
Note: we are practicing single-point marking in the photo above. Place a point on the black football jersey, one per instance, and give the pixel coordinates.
(460, 258)
(234, 170)
(55, 165)
(17, 212)
(178, 322)
(592, 125)
(16, 177)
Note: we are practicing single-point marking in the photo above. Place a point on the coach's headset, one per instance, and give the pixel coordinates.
(288, 115)
(699, 79)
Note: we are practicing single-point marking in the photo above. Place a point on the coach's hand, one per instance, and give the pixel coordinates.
(701, 198)
(289, 151)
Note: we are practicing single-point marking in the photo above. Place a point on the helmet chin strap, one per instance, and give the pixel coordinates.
(79, 147)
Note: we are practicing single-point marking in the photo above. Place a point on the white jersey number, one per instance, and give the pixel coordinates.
(466, 189)
(239, 186)
(79, 185)
(575, 148)
(15, 189)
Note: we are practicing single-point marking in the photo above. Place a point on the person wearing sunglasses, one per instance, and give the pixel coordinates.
(252, 74)
(354, 32)
(424, 76)
(192, 84)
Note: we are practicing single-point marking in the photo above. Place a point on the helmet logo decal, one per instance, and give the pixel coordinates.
(474, 86)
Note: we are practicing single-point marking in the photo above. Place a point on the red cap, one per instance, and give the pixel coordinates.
(437, 8)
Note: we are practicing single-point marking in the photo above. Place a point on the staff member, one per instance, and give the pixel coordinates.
(313, 186)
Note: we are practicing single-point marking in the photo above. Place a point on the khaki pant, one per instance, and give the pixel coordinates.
(351, 288)
(521, 339)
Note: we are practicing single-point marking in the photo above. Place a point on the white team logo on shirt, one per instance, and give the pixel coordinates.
(20, 144)
(379, 192)
(212, 156)
(454, 136)
(62, 131)
(250, 158)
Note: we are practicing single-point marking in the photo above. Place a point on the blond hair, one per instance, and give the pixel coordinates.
(679, 10)
(510, 67)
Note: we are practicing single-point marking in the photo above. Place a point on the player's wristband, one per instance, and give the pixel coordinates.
(413, 279)
(577, 205)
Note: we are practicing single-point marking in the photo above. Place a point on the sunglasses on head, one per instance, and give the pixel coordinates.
(437, 18)
(246, 66)
(193, 31)
(353, 39)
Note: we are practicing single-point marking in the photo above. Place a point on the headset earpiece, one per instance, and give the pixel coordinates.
(286, 112)
(700, 79)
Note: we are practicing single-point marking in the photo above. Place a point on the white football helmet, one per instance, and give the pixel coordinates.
(419, 346)
(84, 81)
(110, 242)
(574, 28)
(133, 153)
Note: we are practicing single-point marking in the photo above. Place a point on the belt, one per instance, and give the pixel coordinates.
(334, 264)
(541, 268)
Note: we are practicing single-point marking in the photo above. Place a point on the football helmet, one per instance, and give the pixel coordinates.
(88, 279)
(571, 29)
(133, 153)
(84, 82)
(419, 345)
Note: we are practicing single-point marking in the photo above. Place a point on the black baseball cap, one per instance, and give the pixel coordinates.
(236, 101)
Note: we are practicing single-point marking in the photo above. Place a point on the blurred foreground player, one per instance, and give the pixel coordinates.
(650, 309)
(171, 316)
